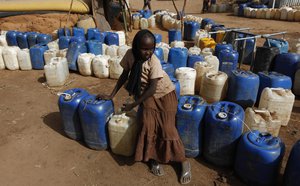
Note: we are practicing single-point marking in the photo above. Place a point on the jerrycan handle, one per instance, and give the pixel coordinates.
(263, 137)
(67, 96)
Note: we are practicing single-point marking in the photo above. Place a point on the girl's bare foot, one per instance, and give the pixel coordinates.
(186, 174)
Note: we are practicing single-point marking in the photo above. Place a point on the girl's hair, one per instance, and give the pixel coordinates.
(134, 80)
(136, 44)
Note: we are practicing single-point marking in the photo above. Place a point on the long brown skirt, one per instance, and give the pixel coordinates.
(158, 137)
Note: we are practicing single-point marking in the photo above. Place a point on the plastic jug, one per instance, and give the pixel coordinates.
(186, 77)
(112, 50)
(85, 63)
(201, 68)
(100, 66)
(55, 74)
(48, 54)
(94, 47)
(24, 59)
(10, 58)
(213, 60)
(122, 50)
(115, 69)
(37, 56)
(291, 173)
(22, 40)
(122, 131)
(178, 57)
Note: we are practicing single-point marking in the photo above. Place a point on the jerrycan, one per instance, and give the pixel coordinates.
(43, 39)
(37, 56)
(187, 77)
(258, 158)
(122, 130)
(22, 40)
(278, 101)
(64, 42)
(78, 31)
(68, 104)
(11, 38)
(94, 115)
(190, 112)
(63, 32)
(176, 83)
(31, 38)
(94, 47)
(73, 52)
(292, 173)
(223, 128)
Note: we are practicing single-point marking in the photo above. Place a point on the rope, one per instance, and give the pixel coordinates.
(68, 17)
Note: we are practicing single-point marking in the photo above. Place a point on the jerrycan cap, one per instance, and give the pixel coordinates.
(68, 97)
(222, 115)
(187, 106)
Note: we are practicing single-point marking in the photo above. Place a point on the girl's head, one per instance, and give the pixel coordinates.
(143, 45)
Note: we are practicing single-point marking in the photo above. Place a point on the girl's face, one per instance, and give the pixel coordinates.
(147, 48)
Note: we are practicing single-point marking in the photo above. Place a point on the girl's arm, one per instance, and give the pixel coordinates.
(122, 79)
(146, 94)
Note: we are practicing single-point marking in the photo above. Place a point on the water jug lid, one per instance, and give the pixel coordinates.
(187, 106)
(222, 115)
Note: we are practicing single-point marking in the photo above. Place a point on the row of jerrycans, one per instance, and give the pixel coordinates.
(216, 131)
(85, 117)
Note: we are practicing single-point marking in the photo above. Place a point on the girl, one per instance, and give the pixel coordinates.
(158, 139)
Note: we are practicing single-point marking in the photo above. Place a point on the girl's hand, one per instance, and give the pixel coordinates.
(104, 96)
(127, 107)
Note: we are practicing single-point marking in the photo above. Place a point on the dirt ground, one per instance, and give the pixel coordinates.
(35, 151)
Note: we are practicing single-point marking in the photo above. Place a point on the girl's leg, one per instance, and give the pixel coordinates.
(156, 168)
(186, 174)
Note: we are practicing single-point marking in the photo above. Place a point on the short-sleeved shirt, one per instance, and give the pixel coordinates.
(151, 69)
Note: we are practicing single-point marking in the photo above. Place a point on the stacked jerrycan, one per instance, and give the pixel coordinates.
(174, 35)
(178, 57)
(94, 115)
(190, 29)
(243, 87)
(292, 173)
(189, 123)
(223, 128)
(258, 158)
(68, 103)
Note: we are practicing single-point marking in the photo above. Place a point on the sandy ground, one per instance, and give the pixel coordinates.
(35, 151)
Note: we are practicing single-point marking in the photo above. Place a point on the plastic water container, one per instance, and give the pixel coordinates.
(100, 66)
(178, 57)
(11, 38)
(283, 45)
(43, 39)
(62, 53)
(296, 87)
(190, 112)
(284, 12)
(9, 55)
(55, 74)
(48, 54)
(78, 39)
(143, 23)
(168, 68)
(278, 101)
(287, 64)
(22, 40)
(262, 121)
(190, 29)
(112, 50)
(222, 46)
(37, 56)
(158, 38)
(176, 83)
(222, 131)
(277, 14)
(213, 60)
(214, 86)
(64, 42)
(218, 37)
(268, 13)
(94, 47)
(201, 68)
(168, 22)
(73, 52)
(62, 60)
(194, 50)
(273, 80)
(2, 64)
(221, 8)
(122, 50)
(115, 69)
(115, 38)
(53, 45)
(291, 15)
(104, 47)
(207, 52)
(122, 131)
(199, 35)
(236, 11)
(206, 21)
(63, 32)
(159, 53)
(24, 59)
(207, 43)
(78, 31)
(166, 50)
(248, 50)
(94, 115)
(291, 173)
(136, 21)
(264, 58)
(68, 103)
(229, 56)
(258, 158)
(174, 35)
(297, 16)
(3, 41)
(186, 77)
(177, 44)
(85, 64)
(192, 59)
(95, 34)
(243, 87)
